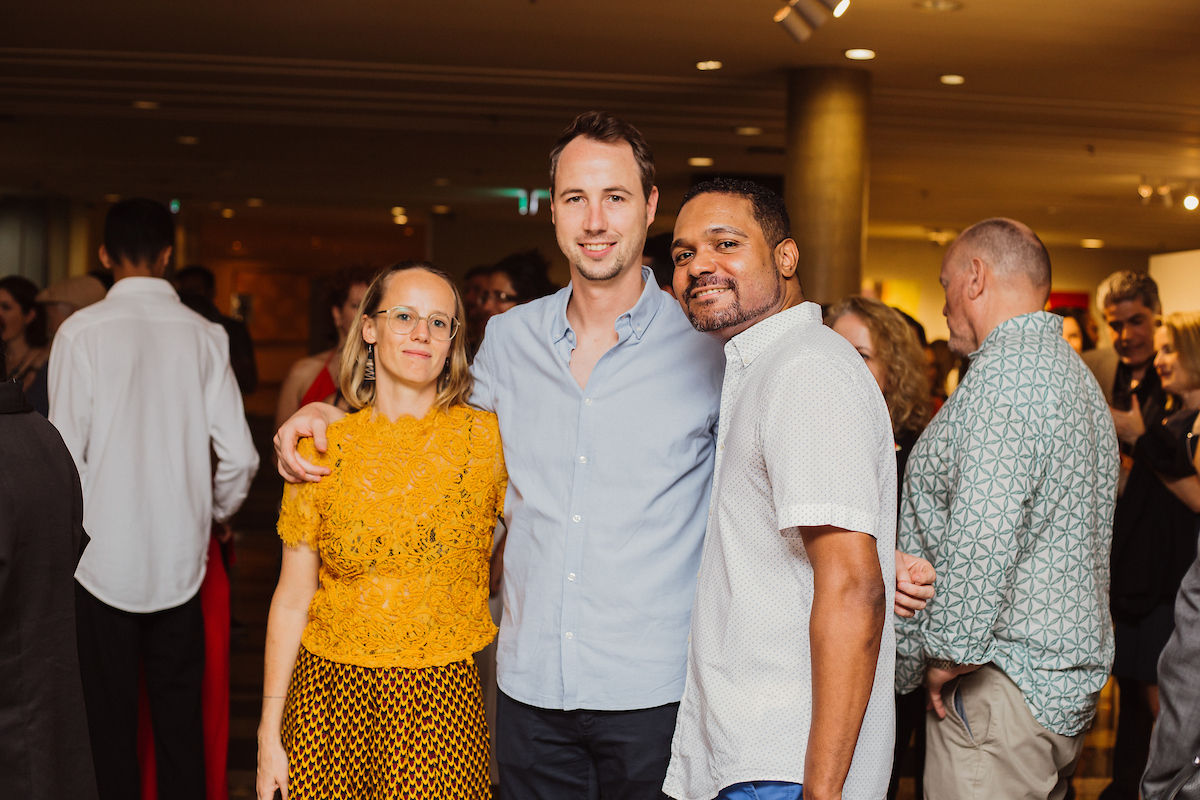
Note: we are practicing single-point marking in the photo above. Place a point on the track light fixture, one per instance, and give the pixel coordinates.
(800, 18)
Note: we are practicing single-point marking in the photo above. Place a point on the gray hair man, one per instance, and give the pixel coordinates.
(1010, 493)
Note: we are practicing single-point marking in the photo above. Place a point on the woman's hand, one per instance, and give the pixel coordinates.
(1129, 424)
(272, 768)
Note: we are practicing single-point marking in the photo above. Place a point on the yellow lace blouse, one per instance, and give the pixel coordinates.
(403, 526)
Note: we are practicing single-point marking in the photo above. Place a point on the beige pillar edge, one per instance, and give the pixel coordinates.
(825, 183)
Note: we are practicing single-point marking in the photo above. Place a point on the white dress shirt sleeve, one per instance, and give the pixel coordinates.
(237, 458)
(820, 439)
(483, 395)
(69, 381)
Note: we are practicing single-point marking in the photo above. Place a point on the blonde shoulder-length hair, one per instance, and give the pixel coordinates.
(896, 346)
(1184, 327)
(454, 384)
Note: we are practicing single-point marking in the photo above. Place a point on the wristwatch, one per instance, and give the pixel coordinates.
(941, 663)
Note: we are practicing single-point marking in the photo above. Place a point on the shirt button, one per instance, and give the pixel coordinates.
(587, 402)
(576, 518)
(570, 576)
(570, 635)
(721, 447)
(583, 459)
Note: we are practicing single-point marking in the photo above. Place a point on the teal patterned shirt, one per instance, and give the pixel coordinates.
(1010, 494)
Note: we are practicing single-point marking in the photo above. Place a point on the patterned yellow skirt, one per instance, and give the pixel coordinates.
(386, 733)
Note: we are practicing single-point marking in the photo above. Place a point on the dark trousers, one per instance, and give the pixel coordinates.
(586, 755)
(910, 723)
(169, 646)
(1131, 750)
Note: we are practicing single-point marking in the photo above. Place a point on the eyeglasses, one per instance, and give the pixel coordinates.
(403, 321)
(500, 297)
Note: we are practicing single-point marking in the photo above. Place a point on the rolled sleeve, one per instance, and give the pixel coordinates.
(824, 460)
(992, 490)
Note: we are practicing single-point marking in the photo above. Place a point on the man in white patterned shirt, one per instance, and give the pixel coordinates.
(790, 665)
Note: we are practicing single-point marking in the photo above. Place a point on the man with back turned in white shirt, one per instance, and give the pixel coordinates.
(790, 665)
(142, 392)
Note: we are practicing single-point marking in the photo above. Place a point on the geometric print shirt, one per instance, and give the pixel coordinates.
(1010, 494)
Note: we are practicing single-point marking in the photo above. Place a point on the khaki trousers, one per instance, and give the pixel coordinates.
(994, 749)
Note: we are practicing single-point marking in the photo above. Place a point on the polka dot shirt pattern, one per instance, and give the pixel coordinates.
(804, 439)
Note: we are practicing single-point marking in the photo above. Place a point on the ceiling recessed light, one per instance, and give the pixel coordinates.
(748, 130)
(145, 105)
(398, 211)
(700, 161)
(227, 213)
(187, 139)
(255, 202)
(705, 66)
(1191, 202)
(1091, 244)
(938, 5)
(953, 80)
(441, 209)
(841, 8)
(400, 219)
(860, 54)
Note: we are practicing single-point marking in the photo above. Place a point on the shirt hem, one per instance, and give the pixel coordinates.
(137, 608)
(746, 777)
(558, 704)
(814, 514)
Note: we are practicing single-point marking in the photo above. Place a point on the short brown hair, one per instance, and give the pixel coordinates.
(896, 345)
(1127, 285)
(601, 126)
(454, 384)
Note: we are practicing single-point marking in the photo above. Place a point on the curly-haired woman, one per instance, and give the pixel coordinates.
(369, 688)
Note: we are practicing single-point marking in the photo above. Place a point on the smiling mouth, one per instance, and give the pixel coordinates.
(596, 248)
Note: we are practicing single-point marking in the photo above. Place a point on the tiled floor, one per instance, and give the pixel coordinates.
(253, 580)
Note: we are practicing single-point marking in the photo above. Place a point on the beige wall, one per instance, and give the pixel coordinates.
(1074, 268)
(1178, 277)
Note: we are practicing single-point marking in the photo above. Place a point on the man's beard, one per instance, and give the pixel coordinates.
(732, 316)
(592, 271)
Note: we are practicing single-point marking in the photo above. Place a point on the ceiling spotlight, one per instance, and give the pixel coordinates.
(145, 105)
(397, 211)
(400, 219)
(938, 5)
(791, 22)
(705, 66)
(1164, 192)
(441, 209)
(255, 202)
(813, 12)
(700, 161)
(1091, 244)
(840, 8)
(748, 130)
(1191, 202)
(1145, 190)
(953, 80)
(860, 54)
(227, 213)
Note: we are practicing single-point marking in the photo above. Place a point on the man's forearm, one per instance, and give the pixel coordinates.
(845, 631)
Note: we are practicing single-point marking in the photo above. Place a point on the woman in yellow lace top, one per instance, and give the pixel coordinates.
(369, 686)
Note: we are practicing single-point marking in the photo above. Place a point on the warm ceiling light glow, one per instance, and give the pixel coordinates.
(860, 54)
(700, 161)
(938, 5)
(841, 8)
(441, 209)
(112, 198)
(398, 211)
(400, 219)
(145, 105)
(705, 66)
(1091, 244)
(255, 202)
(748, 130)
(227, 213)
(1191, 202)
(187, 139)
(1145, 190)
(953, 80)
(791, 22)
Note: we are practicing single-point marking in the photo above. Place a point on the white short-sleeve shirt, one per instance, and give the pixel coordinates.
(804, 439)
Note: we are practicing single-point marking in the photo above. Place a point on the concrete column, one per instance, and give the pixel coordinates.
(825, 185)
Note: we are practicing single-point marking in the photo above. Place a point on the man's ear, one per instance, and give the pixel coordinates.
(651, 205)
(160, 264)
(978, 274)
(104, 258)
(787, 257)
